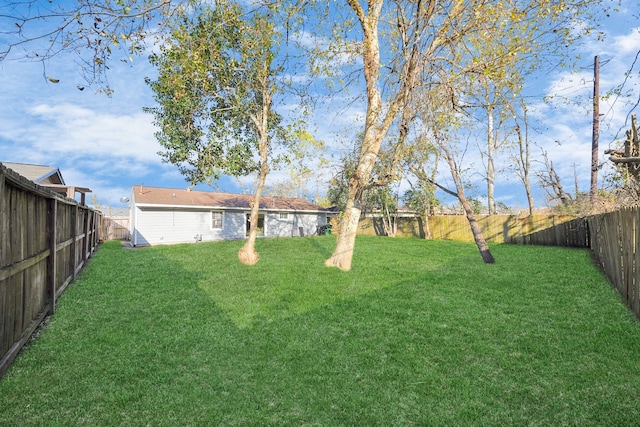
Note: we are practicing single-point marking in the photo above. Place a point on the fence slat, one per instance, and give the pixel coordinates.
(38, 258)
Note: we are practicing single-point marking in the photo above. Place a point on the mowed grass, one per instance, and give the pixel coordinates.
(418, 333)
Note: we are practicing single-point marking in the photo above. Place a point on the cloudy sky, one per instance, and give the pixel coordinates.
(108, 143)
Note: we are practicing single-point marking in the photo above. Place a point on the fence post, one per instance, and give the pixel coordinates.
(87, 235)
(4, 221)
(52, 235)
(73, 258)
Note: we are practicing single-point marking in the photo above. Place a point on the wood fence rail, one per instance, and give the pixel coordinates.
(45, 240)
(615, 244)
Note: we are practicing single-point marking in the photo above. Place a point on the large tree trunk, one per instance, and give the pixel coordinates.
(247, 254)
(347, 228)
(343, 253)
(376, 125)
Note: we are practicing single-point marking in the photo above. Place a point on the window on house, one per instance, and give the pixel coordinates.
(216, 219)
(260, 224)
(284, 215)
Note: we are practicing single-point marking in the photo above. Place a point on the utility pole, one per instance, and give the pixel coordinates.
(596, 130)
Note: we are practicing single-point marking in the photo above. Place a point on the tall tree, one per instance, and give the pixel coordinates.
(400, 38)
(522, 158)
(421, 162)
(441, 121)
(215, 90)
(409, 41)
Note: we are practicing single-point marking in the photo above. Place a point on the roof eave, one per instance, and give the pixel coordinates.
(210, 207)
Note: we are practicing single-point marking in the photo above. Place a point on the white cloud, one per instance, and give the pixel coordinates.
(71, 130)
(627, 43)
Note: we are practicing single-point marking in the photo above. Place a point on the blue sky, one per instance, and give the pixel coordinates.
(108, 144)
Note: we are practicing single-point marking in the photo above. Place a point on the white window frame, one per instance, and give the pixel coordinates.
(284, 215)
(214, 220)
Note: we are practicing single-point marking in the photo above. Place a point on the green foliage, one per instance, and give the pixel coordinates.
(422, 198)
(338, 189)
(216, 80)
(419, 333)
(304, 157)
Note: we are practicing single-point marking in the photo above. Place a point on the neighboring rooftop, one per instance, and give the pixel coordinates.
(49, 177)
(181, 197)
(39, 174)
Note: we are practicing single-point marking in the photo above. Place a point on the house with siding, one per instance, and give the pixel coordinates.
(169, 215)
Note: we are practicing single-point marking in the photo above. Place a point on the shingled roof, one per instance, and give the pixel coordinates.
(180, 197)
(39, 174)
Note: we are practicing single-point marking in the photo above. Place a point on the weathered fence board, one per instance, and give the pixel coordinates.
(115, 228)
(615, 244)
(45, 239)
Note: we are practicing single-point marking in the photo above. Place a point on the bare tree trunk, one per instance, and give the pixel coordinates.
(473, 223)
(427, 226)
(491, 203)
(343, 253)
(390, 222)
(377, 122)
(475, 229)
(524, 164)
(523, 158)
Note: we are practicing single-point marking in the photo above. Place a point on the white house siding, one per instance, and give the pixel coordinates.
(233, 225)
(132, 222)
(290, 226)
(168, 225)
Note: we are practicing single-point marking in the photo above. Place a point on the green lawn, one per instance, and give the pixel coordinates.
(418, 333)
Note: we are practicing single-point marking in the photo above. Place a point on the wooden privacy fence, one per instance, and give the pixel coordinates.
(114, 228)
(556, 230)
(45, 239)
(615, 243)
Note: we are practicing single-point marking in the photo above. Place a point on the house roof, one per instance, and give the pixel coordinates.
(49, 177)
(37, 173)
(144, 195)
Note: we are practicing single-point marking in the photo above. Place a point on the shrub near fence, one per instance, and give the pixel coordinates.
(45, 239)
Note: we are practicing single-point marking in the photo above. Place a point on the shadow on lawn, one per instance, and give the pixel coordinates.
(291, 278)
(323, 250)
